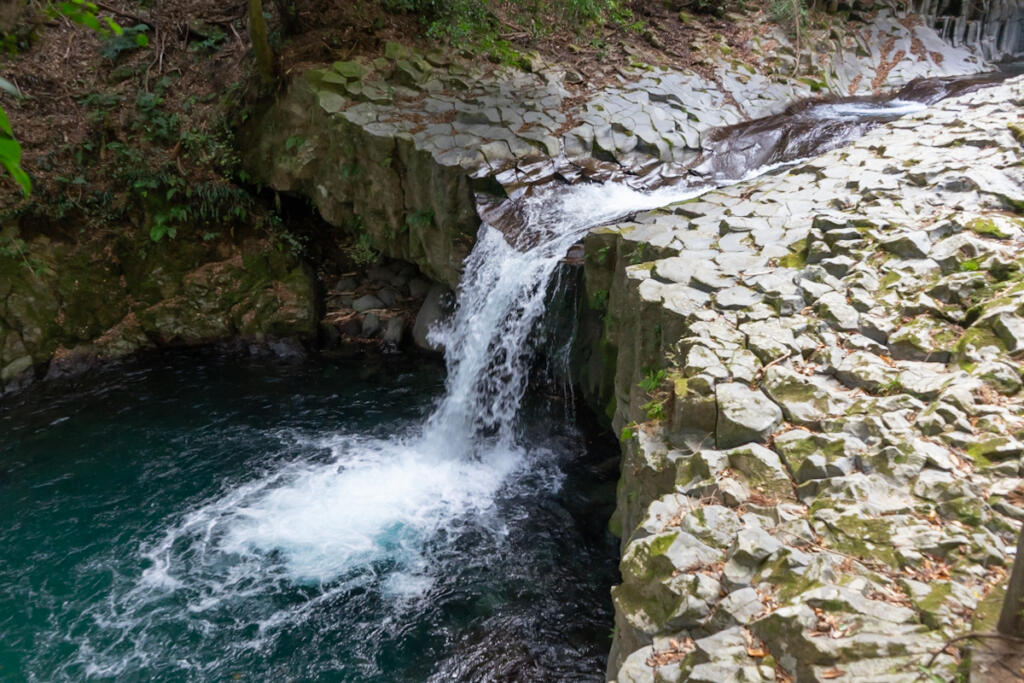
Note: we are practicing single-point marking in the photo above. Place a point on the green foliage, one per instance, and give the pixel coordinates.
(22, 33)
(212, 149)
(165, 223)
(80, 12)
(655, 409)
(627, 432)
(455, 20)
(129, 40)
(154, 121)
(419, 220)
(652, 380)
(87, 14)
(791, 13)
(470, 22)
(15, 248)
(638, 255)
(10, 154)
(361, 251)
(713, 7)
(213, 38)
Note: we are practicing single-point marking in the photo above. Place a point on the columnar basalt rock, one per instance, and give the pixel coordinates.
(832, 480)
(434, 134)
(993, 29)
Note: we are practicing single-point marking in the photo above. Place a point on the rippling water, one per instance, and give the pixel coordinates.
(198, 517)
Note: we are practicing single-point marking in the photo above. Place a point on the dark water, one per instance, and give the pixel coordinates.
(202, 518)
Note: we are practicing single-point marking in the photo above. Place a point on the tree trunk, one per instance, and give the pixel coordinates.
(288, 14)
(260, 43)
(1011, 620)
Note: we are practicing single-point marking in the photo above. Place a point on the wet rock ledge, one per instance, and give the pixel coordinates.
(817, 378)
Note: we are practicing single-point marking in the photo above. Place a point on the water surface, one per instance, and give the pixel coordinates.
(196, 517)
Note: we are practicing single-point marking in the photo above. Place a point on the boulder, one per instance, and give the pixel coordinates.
(434, 310)
(744, 415)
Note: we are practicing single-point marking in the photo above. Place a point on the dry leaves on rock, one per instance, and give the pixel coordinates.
(677, 651)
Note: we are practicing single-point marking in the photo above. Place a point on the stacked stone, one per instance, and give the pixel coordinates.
(378, 305)
(994, 29)
(817, 376)
(425, 130)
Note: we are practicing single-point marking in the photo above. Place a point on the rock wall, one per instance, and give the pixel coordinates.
(993, 29)
(436, 136)
(65, 304)
(817, 381)
(815, 472)
(361, 174)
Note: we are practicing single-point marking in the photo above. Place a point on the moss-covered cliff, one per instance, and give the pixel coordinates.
(65, 302)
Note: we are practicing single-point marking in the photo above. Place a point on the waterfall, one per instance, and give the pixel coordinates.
(500, 300)
(332, 523)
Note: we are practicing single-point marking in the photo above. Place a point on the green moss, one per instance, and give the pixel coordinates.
(797, 256)
(968, 510)
(790, 584)
(661, 544)
(680, 385)
(870, 539)
(938, 594)
(615, 526)
(350, 70)
(655, 410)
(987, 613)
(794, 390)
(889, 279)
(986, 226)
(982, 451)
(978, 338)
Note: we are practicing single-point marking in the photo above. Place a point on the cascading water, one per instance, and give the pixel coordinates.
(362, 522)
(502, 295)
(425, 545)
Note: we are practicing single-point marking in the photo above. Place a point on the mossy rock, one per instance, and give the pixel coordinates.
(864, 537)
(351, 70)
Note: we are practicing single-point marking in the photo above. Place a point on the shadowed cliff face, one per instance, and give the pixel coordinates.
(993, 29)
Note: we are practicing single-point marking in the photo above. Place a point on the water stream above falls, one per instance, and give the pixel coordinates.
(197, 518)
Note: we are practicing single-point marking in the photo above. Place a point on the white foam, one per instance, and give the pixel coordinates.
(854, 110)
(378, 500)
(376, 512)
